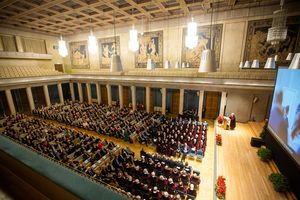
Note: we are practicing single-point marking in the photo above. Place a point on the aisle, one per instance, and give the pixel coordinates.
(246, 175)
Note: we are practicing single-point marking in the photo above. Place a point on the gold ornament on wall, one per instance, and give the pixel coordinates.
(107, 47)
(150, 46)
(193, 56)
(79, 55)
(257, 46)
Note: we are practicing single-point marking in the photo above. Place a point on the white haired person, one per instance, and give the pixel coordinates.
(232, 121)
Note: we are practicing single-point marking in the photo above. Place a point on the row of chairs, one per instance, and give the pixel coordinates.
(20, 71)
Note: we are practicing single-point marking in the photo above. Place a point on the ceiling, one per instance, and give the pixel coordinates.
(75, 16)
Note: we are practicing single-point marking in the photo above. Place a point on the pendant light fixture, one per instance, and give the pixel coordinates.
(115, 62)
(278, 32)
(191, 38)
(62, 47)
(92, 41)
(133, 43)
(208, 61)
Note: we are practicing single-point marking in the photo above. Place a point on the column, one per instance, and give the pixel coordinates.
(60, 93)
(46, 94)
(181, 99)
(30, 98)
(200, 106)
(133, 97)
(121, 96)
(108, 87)
(10, 102)
(164, 100)
(148, 99)
(89, 95)
(72, 91)
(98, 88)
(223, 103)
(80, 92)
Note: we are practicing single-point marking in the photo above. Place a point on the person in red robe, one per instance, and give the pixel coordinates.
(232, 121)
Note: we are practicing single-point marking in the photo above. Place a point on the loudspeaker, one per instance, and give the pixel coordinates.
(257, 142)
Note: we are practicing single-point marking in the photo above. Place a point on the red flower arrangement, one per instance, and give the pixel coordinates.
(220, 119)
(219, 139)
(220, 187)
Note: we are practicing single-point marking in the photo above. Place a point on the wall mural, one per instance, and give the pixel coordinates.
(79, 55)
(150, 46)
(193, 56)
(107, 48)
(257, 46)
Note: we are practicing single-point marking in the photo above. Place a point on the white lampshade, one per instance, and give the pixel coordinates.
(177, 65)
(241, 65)
(255, 64)
(208, 62)
(62, 48)
(167, 64)
(295, 64)
(247, 64)
(187, 65)
(183, 65)
(133, 43)
(150, 64)
(289, 56)
(116, 64)
(270, 64)
(93, 48)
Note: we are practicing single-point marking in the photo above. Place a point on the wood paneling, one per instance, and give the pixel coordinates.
(175, 102)
(212, 103)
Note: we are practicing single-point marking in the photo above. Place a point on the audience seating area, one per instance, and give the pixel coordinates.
(69, 147)
(152, 176)
(121, 123)
(182, 136)
(21, 71)
(149, 177)
(170, 135)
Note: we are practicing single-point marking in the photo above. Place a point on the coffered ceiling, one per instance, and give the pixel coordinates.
(74, 16)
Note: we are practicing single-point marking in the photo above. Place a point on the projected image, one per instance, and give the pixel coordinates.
(285, 112)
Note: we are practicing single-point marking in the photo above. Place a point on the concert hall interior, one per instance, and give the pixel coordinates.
(150, 99)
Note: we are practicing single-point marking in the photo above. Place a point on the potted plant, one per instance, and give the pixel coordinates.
(280, 182)
(220, 187)
(264, 131)
(219, 139)
(265, 154)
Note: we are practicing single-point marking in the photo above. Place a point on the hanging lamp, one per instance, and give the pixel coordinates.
(115, 62)
(208, 61)
(62, 47)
